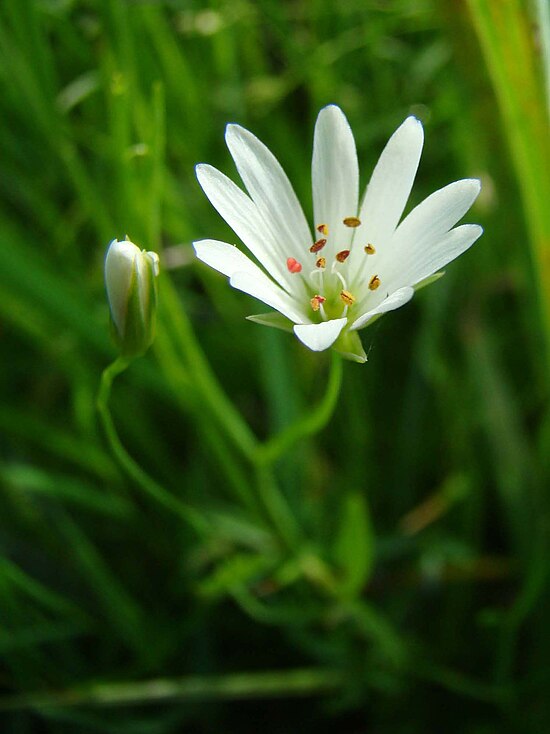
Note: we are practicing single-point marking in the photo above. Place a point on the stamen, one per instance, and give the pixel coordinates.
(374, 283)
(293, 265)
(321, 262)
(342, 256)
(316, 302)
(340, 277)
(352, 221)
(347, 297)
(318, 246)
(370, 249)
(323, 229)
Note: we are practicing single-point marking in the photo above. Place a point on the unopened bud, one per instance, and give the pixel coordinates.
(131, 283)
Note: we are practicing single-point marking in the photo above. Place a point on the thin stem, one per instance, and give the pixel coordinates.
(309, 424)
(272, 498)
(204, 381)
(277, 507)
(184, 392)
(132, 469)
(236, 429)
(235, 686)
(229, 420)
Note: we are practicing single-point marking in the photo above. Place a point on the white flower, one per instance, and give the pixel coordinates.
(358, 261)
(130, 281)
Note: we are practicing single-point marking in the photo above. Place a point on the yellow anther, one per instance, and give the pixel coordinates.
(374, 283)
(321, 262)
(347, 297)
(323, 229)
(352, 221)
(316, 302)
(370, 249)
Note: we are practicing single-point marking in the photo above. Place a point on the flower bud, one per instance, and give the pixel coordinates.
(131, 283)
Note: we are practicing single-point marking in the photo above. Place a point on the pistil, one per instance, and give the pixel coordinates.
(293, 265)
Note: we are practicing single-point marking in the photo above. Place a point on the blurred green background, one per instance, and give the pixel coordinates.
(407, 590)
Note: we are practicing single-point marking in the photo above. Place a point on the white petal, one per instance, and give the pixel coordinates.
(318, 337)
(391, 183)
(246, 276)
(270, 190)
(437, 213)
(429, 254)
(259, 286)
(120, 268)
(242, 215)
(335, 177)
(224, 258)
(398, 298)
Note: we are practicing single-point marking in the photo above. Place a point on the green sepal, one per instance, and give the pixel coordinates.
(273, 319)
(349, 346)
(429, 280)
(139, 321)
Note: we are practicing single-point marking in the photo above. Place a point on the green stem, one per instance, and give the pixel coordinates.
(267, 454)
(204, 381)
(132, 469)
(183, 388)
(236, 429)
(307, 425)
(277, 507)
(209, 391)
(235, 686)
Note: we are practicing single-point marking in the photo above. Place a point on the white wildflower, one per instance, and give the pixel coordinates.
(358, 261)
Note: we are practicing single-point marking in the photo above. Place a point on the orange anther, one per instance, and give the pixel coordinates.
(352, 221)
(317, 245)
(370, 249)
(322, 228)
(321, 262)
(342, 256)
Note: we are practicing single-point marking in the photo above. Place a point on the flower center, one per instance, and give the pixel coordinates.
(332, 297)
(329, 294)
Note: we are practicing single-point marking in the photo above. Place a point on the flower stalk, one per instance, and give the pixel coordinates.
(126, 462)
(308, 425)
